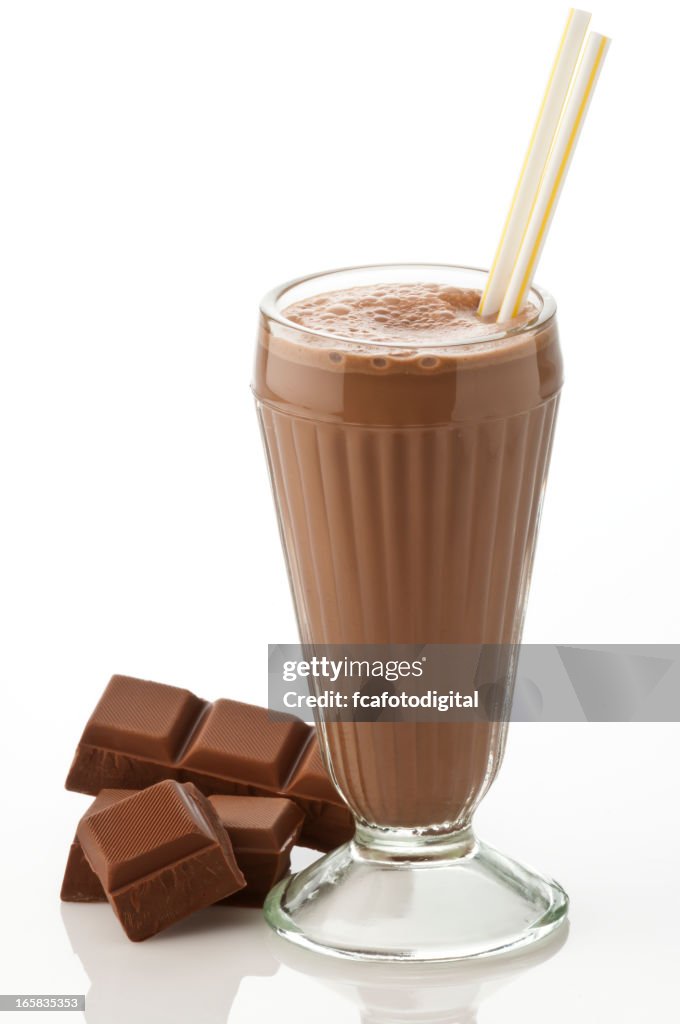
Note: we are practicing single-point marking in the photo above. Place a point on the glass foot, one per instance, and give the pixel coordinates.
(446, 899)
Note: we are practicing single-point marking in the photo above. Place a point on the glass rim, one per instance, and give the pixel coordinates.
(272, 302)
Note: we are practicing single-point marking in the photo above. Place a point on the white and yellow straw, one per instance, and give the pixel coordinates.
(558, 126)
(535, 160)
(555, 172)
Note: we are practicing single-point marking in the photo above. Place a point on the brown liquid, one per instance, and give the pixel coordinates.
(408, 459)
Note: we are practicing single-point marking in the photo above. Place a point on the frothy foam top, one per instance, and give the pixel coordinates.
(399, 314)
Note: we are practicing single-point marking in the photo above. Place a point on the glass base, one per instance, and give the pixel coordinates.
(448, 898)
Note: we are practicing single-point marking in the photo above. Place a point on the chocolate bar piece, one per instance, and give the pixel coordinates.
(159, 854)
(143, 732)
(262, 831)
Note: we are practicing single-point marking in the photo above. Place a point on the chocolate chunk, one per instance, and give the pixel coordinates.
(262, 831)
(310, 779)
(328, 823)
(136, 719)
(326, 828)
(243, 743)
(159, 854)
(143, 732)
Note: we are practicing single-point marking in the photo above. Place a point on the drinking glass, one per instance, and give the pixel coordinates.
(408, 477)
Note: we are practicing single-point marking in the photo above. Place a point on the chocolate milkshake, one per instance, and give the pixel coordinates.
(408, 442)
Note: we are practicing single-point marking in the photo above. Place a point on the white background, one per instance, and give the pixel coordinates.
(163, 164)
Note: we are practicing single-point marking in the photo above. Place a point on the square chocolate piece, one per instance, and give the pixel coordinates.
(148, 721)
(242, 741)
(159, 854)
(263, 831)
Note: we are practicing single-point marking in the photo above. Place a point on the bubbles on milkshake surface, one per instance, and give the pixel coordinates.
(404, 320)
(398, 313)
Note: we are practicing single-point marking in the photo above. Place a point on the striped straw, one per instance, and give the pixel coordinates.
(535, 159)
(554, 174)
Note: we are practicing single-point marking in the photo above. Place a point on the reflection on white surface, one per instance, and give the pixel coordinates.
(191, 973)
(415, 993)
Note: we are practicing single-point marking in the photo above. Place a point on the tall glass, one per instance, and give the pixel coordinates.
(408, 479)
